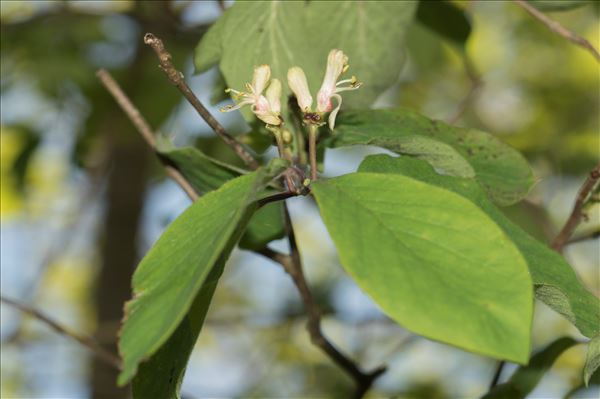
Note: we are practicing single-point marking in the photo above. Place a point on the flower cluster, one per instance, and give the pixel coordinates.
(268, 107)
(337, 64)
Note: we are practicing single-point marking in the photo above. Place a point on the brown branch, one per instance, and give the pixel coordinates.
(577, 213)
(102, 354)
(144, 129)
(292, 264)
(557, 28)
(177, 79)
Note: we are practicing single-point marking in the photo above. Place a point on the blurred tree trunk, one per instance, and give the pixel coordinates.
(125, 200)
(129, 164)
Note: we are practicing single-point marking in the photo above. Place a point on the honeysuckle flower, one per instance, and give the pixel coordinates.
(337, 64)
(299, 86)
(267, 109)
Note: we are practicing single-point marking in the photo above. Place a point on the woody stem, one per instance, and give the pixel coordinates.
(283, 154)
(312, 150)
(300, 145)
(280, 145)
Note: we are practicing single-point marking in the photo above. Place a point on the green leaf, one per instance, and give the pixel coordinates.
(554, 280)
(286, 34)
(206, 174)
(265, 226)
(171, 275)
(526, 378)
(432, 260)
(203, 172)
(501, 170)
(209, 50)
(592, 360)
(446, 19)
(438, 154)
(162, 374)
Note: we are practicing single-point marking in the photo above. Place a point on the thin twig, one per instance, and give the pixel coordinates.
(557, 28)
(577, 213)
(177, 79)
(475, 84)
(292, 264)
(144, 129)
(88, 342)
(584, 237)
(276, 197)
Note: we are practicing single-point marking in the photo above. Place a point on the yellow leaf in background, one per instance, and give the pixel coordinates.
(11, 200)
(68, 282)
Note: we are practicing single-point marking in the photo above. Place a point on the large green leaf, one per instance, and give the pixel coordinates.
(432, 260)
(526, 378)
(502, 171)
(285, 34)
(206, 174)
(555, 281)
(162, 374)
(171, 275)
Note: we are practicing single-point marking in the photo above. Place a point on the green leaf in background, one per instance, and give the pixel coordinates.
(209, 50)
(502, 171)
(285, 34)
(171, 275)
(554, 280)
(432, 260)
(526, 378)
(253, 33)
(371, 33)
(265, 226)
(592, 360)
(206, 174)
(446, 19)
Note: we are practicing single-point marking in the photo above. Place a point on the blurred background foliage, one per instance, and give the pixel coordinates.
(82, 200)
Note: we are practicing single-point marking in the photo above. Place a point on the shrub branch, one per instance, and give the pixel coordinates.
(557, 28)
(292, 264)
(87, 342)
(177, 79)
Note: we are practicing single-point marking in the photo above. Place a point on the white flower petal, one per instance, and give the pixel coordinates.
(273, 95)
(334, 113)
(336, 64)
(261, 77)
(298, 85)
